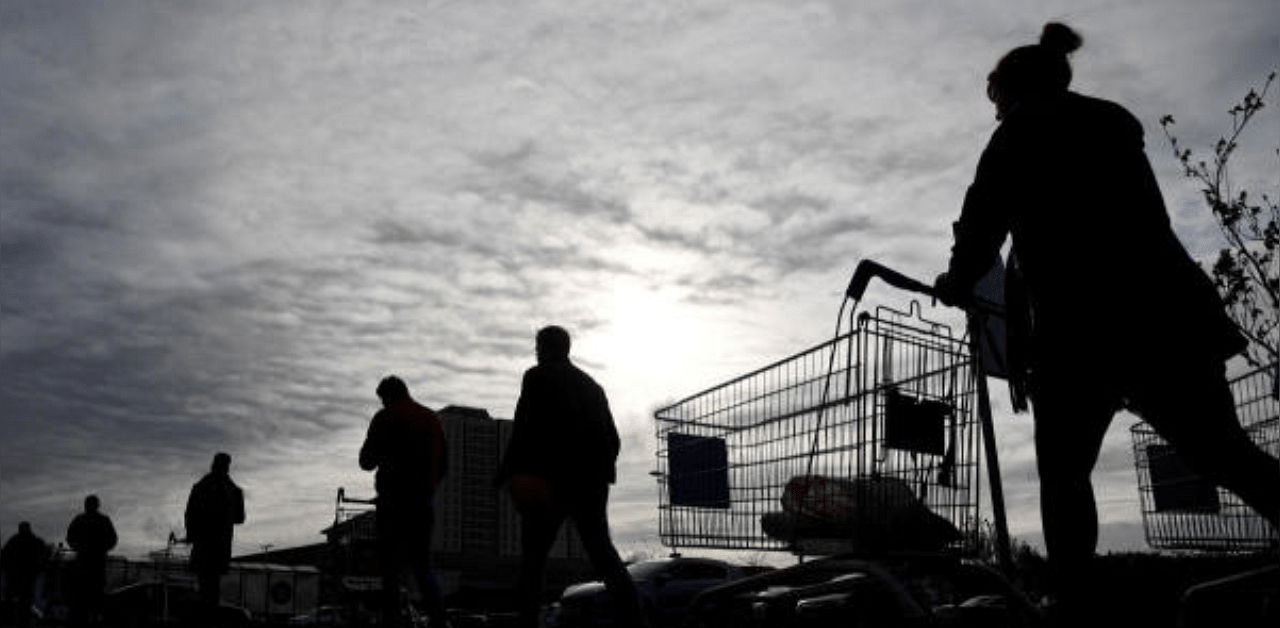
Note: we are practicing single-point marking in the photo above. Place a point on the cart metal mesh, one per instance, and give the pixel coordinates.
(881, 417)
(1181, 510)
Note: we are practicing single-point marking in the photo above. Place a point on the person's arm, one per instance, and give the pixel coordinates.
(612, 442)
(109, 535)
(75, 535)
(191, 517)
(523, 430)
(371, 451)
(237, 504)
(983, 224)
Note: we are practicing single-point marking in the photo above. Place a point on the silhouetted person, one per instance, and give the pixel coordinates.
(405, 443)
(23, 559)
(214, 507)
(1120, 314)
(91, 535)
(560, 462)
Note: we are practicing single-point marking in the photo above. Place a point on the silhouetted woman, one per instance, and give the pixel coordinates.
(1121, 316)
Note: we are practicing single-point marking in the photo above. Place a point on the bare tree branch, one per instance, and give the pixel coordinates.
(1247, 271)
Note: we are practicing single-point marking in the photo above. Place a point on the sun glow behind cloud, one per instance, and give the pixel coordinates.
(223, 223)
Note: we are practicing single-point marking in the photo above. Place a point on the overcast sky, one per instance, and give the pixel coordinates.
(223, 222)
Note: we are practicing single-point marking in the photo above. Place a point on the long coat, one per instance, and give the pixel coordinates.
(1107, 280)
(215, 505)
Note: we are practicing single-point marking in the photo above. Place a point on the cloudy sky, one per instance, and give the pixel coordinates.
(222, 222)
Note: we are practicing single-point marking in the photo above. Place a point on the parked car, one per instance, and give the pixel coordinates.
(322, 616)
(145, 604)
(853, 592)
(665, 586)
(335, 615)
(1249, 598)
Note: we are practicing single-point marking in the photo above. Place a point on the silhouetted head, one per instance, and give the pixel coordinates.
(392, 389)
(552, 344)
(24, 527)
(1038, 69)
(91, 503)
(221, 463)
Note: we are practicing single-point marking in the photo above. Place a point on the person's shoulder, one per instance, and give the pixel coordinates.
(1102, 109)
(541, 372)
(425, 411)
(584, 375)
(383, 416)
(1093, 102)
(208, 483)
(586, 381)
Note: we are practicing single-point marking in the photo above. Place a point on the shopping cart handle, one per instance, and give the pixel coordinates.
(867, 269)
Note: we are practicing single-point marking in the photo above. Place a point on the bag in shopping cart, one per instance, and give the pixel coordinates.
(868, 514)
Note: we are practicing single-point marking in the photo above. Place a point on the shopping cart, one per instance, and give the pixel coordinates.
(871, 442)
(1183, 511)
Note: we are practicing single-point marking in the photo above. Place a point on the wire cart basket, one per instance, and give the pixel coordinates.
(870, 442)
(1183, 511)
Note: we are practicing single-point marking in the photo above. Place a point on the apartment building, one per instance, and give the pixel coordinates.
(476, 544)
(473, 517)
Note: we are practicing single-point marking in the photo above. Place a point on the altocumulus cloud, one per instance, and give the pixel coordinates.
(222, 223)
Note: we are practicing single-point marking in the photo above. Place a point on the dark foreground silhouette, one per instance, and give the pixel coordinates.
(559, 463)
(1117, 314)
(214, 507)
(92, 535)
(22, 560)
(406, 445)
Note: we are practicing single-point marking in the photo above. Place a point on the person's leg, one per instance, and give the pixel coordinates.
(98, 592)
(538, 528)
(1070, 423)
(1192, 408)
(424, 575)
(24, 598)
(76, 606)
(589, 514)
(208, 589)
(390, 556)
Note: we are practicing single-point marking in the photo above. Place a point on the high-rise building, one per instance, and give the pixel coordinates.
(476, 542)
(474, 517)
